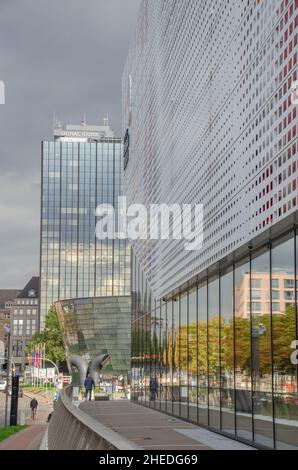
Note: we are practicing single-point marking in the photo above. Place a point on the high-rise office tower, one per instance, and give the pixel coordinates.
(210, 117)
(81, 168)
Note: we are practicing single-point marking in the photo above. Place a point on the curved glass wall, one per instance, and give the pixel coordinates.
(223, 351)
(95, 325)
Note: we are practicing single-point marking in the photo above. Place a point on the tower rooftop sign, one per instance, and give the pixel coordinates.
(82, 132)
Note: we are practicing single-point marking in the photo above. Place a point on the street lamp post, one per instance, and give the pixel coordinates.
(7, 329)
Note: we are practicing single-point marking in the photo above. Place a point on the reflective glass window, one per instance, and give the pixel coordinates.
(283, 335)
(192, 356)
(183, 348)
(243, 395)
(262, 354)
(227, 352)
(202, 355)
(214, 353)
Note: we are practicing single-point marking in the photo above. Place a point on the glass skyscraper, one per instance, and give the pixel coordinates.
(210, 117)
(81, 168)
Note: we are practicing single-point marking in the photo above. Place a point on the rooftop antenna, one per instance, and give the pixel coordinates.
(84, 121)
(106, 121)
(54, 120)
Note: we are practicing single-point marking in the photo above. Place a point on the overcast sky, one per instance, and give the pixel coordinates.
(65, 56)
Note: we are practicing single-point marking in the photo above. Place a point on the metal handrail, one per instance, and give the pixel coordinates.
(71, 428)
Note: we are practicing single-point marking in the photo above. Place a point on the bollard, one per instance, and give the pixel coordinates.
(22, 417)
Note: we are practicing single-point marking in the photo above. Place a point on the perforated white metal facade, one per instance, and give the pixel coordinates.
(208, 103)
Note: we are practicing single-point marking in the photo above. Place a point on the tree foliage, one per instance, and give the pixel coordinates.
(230, 344)
(51, 336)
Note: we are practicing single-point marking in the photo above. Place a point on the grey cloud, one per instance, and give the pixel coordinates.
(55, 55)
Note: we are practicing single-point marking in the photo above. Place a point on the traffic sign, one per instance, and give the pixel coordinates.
(42, 373)
(51, 373)
(67, 379)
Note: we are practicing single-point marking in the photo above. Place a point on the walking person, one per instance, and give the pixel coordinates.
(153, 385)
(33, 406)
(89, 385)
(56, 396)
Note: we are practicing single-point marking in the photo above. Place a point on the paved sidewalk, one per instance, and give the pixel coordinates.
(23, 405)
(30, 438)
(151, 429)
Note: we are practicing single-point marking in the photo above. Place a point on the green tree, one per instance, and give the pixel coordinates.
(192, 348)
(283, 334)
(51, 336)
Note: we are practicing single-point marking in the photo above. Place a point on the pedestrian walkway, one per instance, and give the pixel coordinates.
(30, 438)
(150, 429)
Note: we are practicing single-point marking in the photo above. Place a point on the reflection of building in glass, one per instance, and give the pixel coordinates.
(95, 325)
(208, 112)
(216, 363)
(81, 169)
(254, 294)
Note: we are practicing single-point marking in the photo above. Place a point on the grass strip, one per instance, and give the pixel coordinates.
(8, 431)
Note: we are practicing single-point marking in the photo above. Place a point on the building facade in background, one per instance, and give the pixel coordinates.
(209, 118)
(24, 322)
(81, 169)
(7, 297)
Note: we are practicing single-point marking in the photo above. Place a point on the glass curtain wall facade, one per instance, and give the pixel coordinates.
(76, 178)
(222, 350)
(210, 118)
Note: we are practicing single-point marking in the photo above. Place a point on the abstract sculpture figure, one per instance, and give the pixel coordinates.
(97, 364)
(93, 369)
(79, 363)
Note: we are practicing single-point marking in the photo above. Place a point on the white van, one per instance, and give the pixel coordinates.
(3, 385)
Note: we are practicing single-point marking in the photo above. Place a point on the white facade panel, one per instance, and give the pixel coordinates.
(207, 100)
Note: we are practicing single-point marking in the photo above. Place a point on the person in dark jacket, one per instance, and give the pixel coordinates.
(33, 406)
(33, 403)
(89, 385)
(153, 385)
